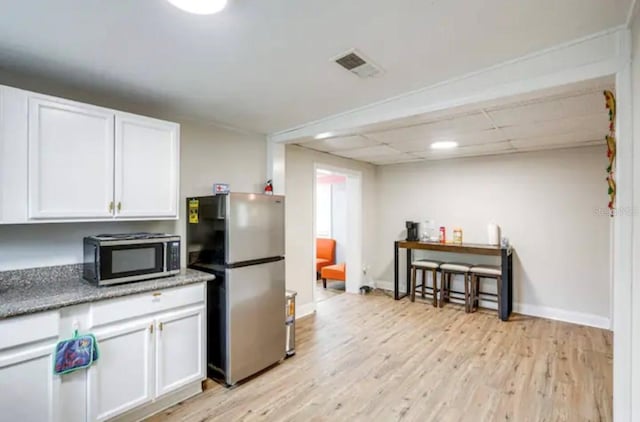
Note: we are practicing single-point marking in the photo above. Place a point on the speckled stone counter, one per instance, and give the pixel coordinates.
(40, 289)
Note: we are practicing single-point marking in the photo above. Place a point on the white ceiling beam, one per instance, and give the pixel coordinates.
(590, 57)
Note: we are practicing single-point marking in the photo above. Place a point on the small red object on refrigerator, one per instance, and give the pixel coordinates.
(443, 235)
(268, 188)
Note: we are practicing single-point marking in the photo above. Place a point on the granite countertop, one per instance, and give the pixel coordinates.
(41, 289)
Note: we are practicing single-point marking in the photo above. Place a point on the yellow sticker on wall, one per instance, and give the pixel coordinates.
(194, 206)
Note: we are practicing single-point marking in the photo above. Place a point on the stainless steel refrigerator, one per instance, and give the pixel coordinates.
(240, 238)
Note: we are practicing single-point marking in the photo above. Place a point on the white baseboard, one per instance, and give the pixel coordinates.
(161, 404)
(304, 310)
(386, 285)
(539, 311)
(557, 314)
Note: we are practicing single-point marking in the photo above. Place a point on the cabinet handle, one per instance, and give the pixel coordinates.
(161, 325)
(119, 206)
(151, 328)
(111, 206)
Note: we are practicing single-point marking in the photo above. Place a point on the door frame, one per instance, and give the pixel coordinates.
(353, 250)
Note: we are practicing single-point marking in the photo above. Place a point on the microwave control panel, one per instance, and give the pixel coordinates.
(173, 256)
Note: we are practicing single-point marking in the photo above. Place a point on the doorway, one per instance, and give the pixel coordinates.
(337, 232)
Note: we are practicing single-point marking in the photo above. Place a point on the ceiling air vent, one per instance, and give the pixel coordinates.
(356, 63)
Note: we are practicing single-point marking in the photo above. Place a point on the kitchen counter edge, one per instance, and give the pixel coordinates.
(21, 296)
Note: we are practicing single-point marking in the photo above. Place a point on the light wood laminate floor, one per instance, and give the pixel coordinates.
(370, 358)
(333, 289)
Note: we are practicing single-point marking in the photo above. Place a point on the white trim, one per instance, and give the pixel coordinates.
(564, 315)
(624, 232)
(353, 253)
(386, 285)
(631, 13)
(589, 57)
(305, 310)
(547, 312)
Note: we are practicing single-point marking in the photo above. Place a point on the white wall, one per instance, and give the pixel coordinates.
(209, 154)
(551, 205)
(212, 154)
(43, 245)
(300, 179)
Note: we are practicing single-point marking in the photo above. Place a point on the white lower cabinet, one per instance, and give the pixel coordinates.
(151, 345)
(28, 389)
(122, 378)
(152, 355)
(167, 351)
(180, 350)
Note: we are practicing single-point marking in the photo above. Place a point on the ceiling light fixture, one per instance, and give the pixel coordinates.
(200, 7)
(444, 145)
(323, 135)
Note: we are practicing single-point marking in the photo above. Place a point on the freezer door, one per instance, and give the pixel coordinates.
(255, 227)
(256, 319)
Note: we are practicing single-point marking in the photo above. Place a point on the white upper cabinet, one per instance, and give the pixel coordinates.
(13, 155)
(147, 155)
(64, 161)
(70, 160)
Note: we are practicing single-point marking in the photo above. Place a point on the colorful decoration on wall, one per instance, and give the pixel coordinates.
(610, 101)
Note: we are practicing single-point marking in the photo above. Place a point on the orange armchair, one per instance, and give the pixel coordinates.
(325, 253)
(334, 272)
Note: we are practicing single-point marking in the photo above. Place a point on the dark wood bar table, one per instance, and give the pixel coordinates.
(506, 262)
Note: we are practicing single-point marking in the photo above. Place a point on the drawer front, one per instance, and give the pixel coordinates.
(28, 329)
(128, 307)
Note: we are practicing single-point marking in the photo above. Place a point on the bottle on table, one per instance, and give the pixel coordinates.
(457, 236)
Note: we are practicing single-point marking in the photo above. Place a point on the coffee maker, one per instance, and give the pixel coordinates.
(412, 231)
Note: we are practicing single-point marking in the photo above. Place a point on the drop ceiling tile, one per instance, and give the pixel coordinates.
(463, 139)
(447, 128)
(472, 150)
(551, 109)
(404, 158)
(340, 143)
(597, 124)
(538, 147)
(370, 152)
(585, 104)
(567, 139)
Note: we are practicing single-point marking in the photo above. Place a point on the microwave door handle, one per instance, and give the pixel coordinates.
(165, 250)
(96, 263)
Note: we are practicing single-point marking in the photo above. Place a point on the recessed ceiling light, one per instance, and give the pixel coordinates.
(323, 135)
(444, 145)
(200, 7)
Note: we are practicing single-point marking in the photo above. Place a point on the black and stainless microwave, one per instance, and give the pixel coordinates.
(121, 258)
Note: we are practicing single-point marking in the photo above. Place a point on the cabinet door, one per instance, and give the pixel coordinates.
(147, 167)
(180, 349)
(28, 387)
(70, 160)
(122, 377)
(13, 155)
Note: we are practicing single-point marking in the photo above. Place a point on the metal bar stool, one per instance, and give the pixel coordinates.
(425, 265)
(450, 268)
(485, 271)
